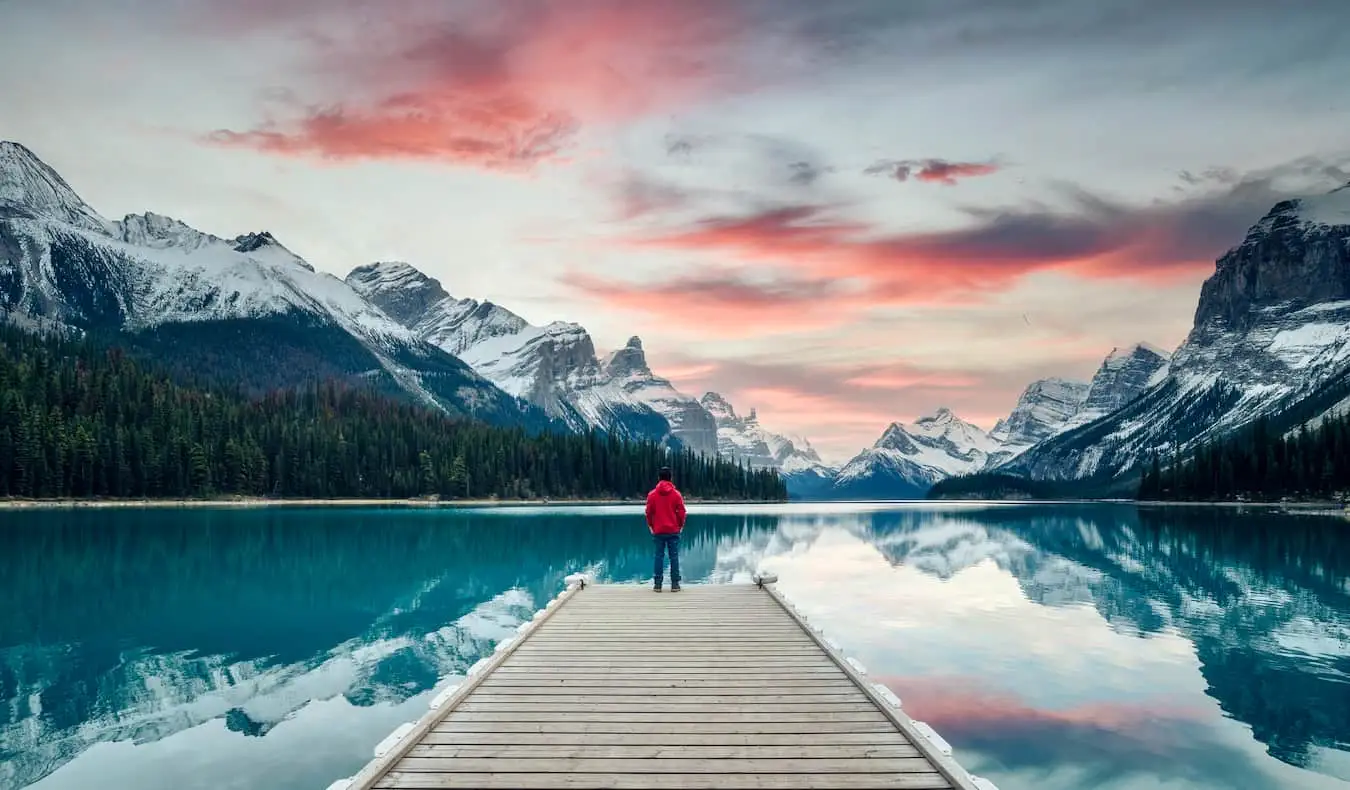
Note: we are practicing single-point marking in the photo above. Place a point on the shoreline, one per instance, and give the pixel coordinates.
(260, 502)
(1312, 507)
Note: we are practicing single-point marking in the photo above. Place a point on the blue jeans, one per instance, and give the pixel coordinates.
(666, 544)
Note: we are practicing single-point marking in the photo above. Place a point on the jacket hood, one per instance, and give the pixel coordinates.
(665, 487)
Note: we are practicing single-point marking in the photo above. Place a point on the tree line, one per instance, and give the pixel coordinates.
(80, 419)
(1258, 463)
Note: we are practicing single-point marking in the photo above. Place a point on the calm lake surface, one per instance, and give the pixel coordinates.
(1098, 646)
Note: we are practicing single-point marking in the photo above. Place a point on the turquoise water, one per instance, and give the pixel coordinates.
(1055, 647)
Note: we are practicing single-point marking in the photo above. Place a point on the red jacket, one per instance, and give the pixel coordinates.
(665, 509)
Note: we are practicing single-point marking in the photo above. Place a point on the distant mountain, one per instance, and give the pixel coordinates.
(555, 366)
(907, 459)
(1051, 406)
(743, 439)
(245, 310)
(1042, 410)
(1271, 336)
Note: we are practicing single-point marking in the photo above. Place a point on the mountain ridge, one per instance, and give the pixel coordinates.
(212, 303)
(555, 367)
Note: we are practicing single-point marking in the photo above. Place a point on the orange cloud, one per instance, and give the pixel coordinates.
(502, 87)
(941, 266)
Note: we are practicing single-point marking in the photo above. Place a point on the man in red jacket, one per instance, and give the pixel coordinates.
(665, 518)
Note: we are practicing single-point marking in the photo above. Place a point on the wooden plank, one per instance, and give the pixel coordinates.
(728, 717)
(824, 669)
(636, 705)
(620, 658)
(411, 780)
(668, 680)
(663, 751)
(657, 642)
(661, 653)
(626, 739)
(666, 689)
(570, 725)
(735, 635)
(575, 765)
(678, 701)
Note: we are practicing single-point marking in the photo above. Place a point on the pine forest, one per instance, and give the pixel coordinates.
(80, 419)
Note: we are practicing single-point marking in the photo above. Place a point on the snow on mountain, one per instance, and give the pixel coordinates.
(555, 366)
(30, 189)
(1272, 330)
(907, 459)
(166, 283)
(743, 439)
(1122, 377)
(1042, 410)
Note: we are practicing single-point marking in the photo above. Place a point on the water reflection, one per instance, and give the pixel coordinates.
(1066, 646)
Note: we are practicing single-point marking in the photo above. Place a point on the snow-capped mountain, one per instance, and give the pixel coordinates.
(1122, 377)
(555, 366)
(1049, 407)
(246, 308)
(743, 439)
(1271, 332)
(1042, 410)
(908, 459)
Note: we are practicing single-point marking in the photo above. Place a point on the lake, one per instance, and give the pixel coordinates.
(1075, 646)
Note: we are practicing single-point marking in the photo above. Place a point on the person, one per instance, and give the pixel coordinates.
(665, 519)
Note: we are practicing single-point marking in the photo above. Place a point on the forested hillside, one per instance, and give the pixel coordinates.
(79, 419)
(1259, 463)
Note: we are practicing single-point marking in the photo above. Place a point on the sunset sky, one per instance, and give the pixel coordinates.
(841, 213)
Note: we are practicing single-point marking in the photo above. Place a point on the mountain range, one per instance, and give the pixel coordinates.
(250, 311)
(1269, 339)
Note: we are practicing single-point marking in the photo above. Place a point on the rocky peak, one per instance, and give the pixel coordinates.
(895, 437)
(1043, 408)
(629, 361)
(402, 291)
(718, 406)
(29, 187)
(940, 418)
(1296, 256)
(264, 245)
(1123, 376)
(158, 231)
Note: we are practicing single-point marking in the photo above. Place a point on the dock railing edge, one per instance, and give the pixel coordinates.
(375, 770)
(945, 764)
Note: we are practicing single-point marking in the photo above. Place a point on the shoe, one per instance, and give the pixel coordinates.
(674, 588)
(657, 588)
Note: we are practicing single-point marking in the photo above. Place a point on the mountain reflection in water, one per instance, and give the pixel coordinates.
(1053, 646)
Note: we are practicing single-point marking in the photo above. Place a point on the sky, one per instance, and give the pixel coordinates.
(842, 214)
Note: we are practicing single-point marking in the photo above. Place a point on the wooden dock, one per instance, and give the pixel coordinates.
(616, 686)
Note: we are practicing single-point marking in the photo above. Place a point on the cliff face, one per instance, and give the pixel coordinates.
(1272, 326)
(1297, 256)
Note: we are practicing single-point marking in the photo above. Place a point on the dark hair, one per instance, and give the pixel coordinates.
(664, 474)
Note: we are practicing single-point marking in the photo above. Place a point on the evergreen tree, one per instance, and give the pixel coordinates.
(79, 420)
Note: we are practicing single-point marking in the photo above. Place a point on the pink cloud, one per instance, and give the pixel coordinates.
(932, 171)
(503, 88)
(906, 379)
(724, 306)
